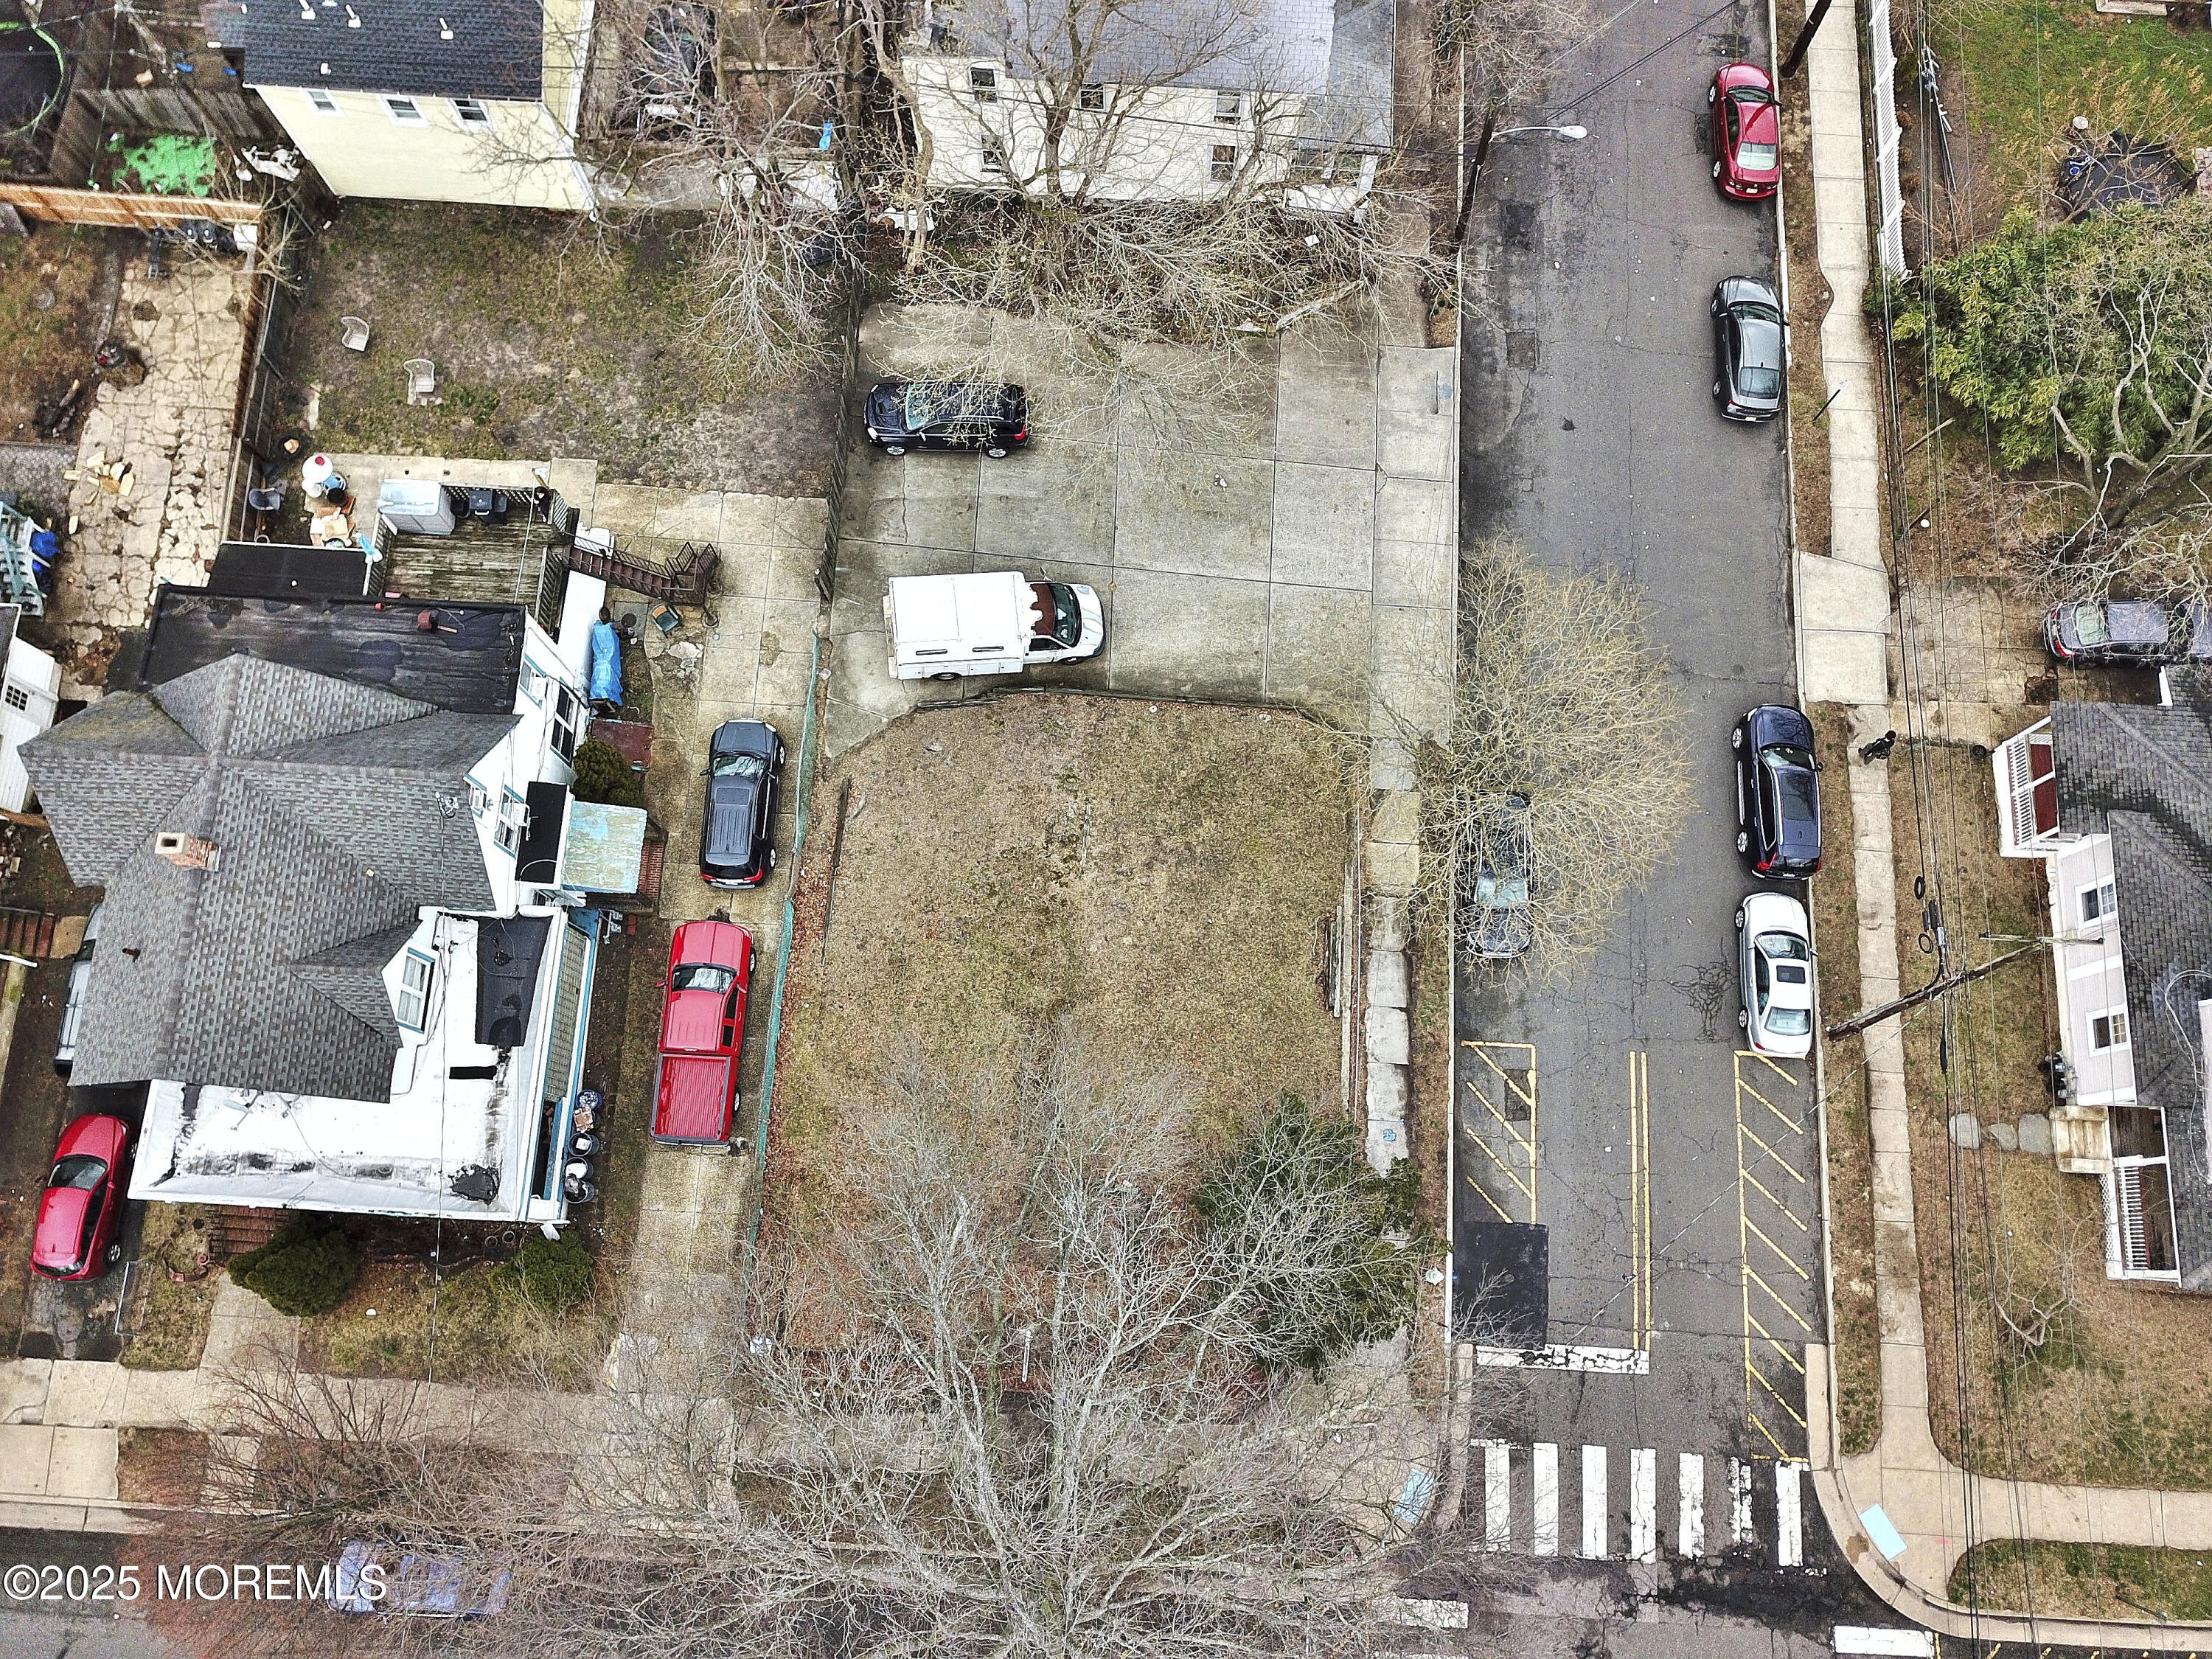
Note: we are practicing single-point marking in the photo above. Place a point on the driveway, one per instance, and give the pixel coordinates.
(752, 661)
(1304, 556)
(1677, 1177)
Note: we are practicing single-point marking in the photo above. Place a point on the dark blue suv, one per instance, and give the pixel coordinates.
(1777, 794)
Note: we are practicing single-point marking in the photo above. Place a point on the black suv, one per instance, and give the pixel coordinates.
(1777, 794)
(904, 415)
(744, 764)
(1748, 350)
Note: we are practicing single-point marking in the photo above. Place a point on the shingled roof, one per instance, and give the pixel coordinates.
(438, 48)
(2143, 776)
(336, 811)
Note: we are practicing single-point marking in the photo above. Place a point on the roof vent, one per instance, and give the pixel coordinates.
(186, 852)
(353, 18)
(444, 30)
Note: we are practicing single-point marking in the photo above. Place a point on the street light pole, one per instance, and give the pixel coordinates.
(1473, 171)
(1491, 130)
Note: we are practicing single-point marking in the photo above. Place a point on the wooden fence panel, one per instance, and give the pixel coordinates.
(124, 207)
(226, 114)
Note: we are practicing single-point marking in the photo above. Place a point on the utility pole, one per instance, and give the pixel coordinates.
(1795, 61)
(1928, 992)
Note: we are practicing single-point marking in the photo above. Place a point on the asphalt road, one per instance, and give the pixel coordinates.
(1588, 431)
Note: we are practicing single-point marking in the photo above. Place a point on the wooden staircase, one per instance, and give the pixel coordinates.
(28, 932)
(685, 578)
(237, 1231)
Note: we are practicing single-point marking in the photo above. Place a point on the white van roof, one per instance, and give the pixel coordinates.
(940, 613)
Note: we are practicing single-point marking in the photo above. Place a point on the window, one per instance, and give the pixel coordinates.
(17, 698)
(983, 83)
(508, 832)
(2096, 904)
(1224, 163)
(406, 113)
(533, 681)
(1091, 96)
(1229, 107)
(566, 711)
(472, 112)
(994, 162)
(479, 797)
(414, 976)
(322, 102)
(1318, 164)
(2109, 1029)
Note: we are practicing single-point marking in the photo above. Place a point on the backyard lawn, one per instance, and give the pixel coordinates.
(1149, 880)
(2030, 66)
(549, 340)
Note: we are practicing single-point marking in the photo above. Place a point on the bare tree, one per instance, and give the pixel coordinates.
(1143, 190)
(1564, 759)
(1506, 50)
(1029, 1414)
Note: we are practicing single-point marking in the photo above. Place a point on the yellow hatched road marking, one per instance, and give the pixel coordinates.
(1765, 1406)
(1498, 1082)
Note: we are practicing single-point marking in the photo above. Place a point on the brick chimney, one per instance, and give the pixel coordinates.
(186, 852)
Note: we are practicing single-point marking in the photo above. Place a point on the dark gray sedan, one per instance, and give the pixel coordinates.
(1748, 350)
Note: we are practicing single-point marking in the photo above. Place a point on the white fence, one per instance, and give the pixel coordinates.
(1889, 239)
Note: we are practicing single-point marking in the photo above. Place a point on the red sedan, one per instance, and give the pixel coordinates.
(702, 1026)
(82, 1204)
(1746, 132)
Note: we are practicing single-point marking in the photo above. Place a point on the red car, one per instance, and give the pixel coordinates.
(82, 1204)
(1746, 132)
(702, 1027)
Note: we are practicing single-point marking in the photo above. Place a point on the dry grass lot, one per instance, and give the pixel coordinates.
(549, 341)
(1152, 878)
(2117, 1394)
(2094, 1581)
(48, 319)
(1858, 1334)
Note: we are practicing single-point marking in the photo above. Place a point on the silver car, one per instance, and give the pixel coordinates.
(1775, 945)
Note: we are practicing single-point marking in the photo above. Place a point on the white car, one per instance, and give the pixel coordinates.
(1777, 1015)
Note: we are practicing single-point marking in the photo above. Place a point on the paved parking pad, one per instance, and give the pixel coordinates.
(1306, 554)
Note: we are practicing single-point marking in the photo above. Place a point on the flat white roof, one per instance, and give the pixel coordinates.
(214, 1143)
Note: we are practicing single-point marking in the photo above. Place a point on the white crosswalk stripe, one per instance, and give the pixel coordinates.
(1644, 1504)
(1593, 1528)
(1739, 1501)
(1545, 1533)
(1765, 1503)
(1690, 1486)
(1789, 1516)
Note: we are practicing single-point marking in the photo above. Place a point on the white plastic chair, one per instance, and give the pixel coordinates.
(421, 379)
(356, 332)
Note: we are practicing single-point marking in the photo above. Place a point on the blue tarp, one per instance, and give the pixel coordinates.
(606, 664)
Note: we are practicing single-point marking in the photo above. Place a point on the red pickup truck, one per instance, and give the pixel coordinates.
(702, 1028)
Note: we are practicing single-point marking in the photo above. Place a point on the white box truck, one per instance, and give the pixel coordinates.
(940, 628)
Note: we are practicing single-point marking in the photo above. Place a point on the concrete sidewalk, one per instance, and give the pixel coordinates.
(1844, 628)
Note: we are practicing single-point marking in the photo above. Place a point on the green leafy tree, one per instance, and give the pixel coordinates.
(1327, 1250)
(2088, 344)
(602, 775)
(307, 1269)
